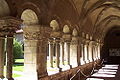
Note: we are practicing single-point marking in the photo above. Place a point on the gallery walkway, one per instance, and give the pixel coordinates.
(107, 72)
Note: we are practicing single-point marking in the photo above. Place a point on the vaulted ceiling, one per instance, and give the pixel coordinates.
(94, 17)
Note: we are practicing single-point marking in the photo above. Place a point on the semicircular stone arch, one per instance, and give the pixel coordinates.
(30, 6)
(29, 17)
(4, 8)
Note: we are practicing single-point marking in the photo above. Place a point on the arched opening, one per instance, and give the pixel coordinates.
(74, 49)
(53, 55)
(111, 48)
(4, 8)
(30, 28)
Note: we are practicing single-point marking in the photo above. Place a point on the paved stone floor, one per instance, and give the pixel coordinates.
(107, 72)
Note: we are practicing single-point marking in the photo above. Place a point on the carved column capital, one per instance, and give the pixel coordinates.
(40, 33)
(9, 25)
(56, 34)
(67, 37)
(75, 40)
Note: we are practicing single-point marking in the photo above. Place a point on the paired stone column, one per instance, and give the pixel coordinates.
(91, 51)
(57, 49)
(51, 52)
(9, 25)
(2, 53)
(87, 51)
(82, 54)
(68, 53)
(82, 51)
(9, 57)
(67, 40)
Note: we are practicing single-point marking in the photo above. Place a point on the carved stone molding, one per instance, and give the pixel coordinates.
(42, 33)
(67, 37)
(75, 40)
(56, 34)
(9, 25)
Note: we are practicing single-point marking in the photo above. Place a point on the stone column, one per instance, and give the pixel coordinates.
(91, 51)
(9, 57)
(57, 49)
(74, 52)
(42, 54)
(31, 35)
(82, 54)
(67, 39)
(51, 52)
(94, 52)
(2, 46)
(35, 55)
(62, 52)
(98, 50)
(9, 25)
(88, 53)
(68, 53)
(85, 53)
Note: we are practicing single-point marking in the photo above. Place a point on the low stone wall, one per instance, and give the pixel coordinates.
(66, 75)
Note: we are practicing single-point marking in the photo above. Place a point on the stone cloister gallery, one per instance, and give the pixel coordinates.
(63, 39)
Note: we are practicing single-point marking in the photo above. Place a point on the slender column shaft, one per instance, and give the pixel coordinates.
(95, 53)
(83, 51)
(68, 52)
(63, 53)
(51, 51)
(57, 54)
(9, 57)
(92, 52)
(2, 42)
(87, 46)
(99, 50)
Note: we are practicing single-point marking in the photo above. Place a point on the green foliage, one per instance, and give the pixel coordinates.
(17, 49)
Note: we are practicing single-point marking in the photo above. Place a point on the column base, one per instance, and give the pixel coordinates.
(95, 59)
(87, 61)
(60, 69)
(1, 77)
(42, 75)
(91, 60)
(82, 62)
(10, 78)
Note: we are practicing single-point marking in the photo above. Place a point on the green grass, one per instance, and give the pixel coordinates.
(16, 75)
(19, 60)
(18, 68)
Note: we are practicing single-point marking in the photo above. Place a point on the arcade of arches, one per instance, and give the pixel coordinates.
(60, 36)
